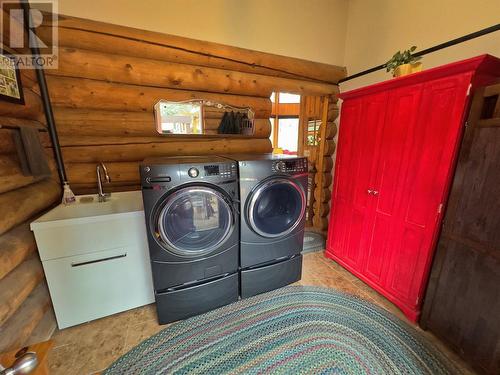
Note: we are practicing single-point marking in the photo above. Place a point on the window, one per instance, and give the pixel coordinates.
(288, 134)
(271, 137)
(285, 98)
(313, 132)
(285, 122)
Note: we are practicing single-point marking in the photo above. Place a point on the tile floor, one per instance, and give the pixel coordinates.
(91, 347)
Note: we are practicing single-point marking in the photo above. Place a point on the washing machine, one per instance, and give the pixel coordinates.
(191, 209)
(273, 192)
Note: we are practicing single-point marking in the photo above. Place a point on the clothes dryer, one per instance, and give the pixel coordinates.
(273, 192)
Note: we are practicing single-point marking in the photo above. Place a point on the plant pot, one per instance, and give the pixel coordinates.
(405, 69)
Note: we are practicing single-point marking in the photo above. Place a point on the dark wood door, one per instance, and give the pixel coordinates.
(462, 305)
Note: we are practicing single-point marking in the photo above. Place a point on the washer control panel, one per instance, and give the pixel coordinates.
(298, 165)
(165, 177)
(228, 170)
(157, 178)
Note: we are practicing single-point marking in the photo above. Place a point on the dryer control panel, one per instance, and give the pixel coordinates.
(298, 165)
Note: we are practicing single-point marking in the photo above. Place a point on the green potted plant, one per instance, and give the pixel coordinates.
(403, 63)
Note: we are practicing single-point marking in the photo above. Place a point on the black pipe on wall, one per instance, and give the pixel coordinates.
(44, 92)
(449, 43)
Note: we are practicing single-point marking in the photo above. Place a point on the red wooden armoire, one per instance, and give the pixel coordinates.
(396, 155)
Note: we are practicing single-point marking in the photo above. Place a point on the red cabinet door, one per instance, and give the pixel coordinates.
(394, 163)
(397, 133)
(355, 163)
(426, 168)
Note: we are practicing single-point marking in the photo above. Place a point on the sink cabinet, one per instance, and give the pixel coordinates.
(98, 264)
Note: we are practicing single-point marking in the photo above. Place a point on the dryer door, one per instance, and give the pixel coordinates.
(194, 221)
(276, 207)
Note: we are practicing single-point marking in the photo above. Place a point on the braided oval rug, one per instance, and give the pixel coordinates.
(293, 330)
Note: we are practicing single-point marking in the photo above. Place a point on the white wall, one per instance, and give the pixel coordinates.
(357, 34)
(376, 29)
(308, 29)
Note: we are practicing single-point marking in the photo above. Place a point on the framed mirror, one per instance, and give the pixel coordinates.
(179, 117)
(202, 117)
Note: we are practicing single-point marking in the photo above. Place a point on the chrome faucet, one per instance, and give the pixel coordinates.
(100, 193)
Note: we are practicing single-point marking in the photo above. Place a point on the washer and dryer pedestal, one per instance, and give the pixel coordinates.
(191, 207)
(273, 204)
(264, 278)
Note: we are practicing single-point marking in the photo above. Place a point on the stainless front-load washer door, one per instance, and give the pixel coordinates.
(194, 221)
(276, 207)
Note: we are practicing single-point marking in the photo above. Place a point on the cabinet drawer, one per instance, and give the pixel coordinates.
(69, 239)
(263, 279)
(183, 303)
(94, 285)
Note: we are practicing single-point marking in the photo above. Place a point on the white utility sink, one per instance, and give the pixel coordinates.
(95, 256)
(88, 207)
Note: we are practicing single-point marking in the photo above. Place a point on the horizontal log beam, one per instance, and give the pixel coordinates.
(155, 73)
(11, 175)
(17, 285)
(76, 140)
(121, 173)
(31, 109)
(172, 147)
(28, 78)
(19, 205)
(95, 122)
(19, 328)
(15, 122)
(90, 94)
(44, 330)
(108, 38)
(81, 127)
(8, 145)
(15, 246)
(262, 127)
(91, 40)
(89, 188)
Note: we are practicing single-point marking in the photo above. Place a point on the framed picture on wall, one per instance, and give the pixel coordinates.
(11, 89)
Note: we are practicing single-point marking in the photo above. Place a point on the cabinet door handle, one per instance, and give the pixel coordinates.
(370, 191)
(375, 192)
(98, 260)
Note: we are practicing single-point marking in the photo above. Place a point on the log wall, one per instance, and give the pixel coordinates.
(109, 78)
(103, 92)
(24, 299)
(320, 157)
